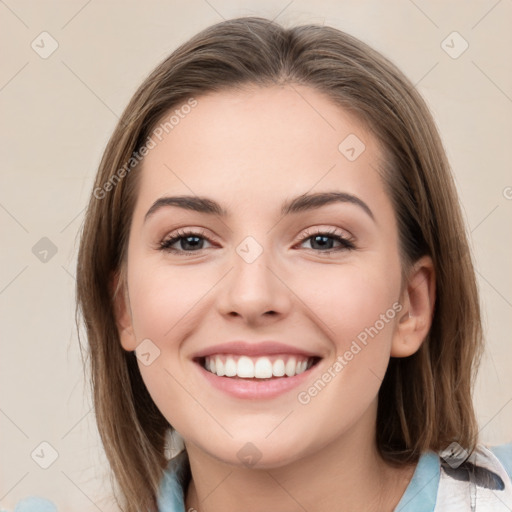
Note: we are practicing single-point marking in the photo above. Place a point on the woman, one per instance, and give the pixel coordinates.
(274, 265)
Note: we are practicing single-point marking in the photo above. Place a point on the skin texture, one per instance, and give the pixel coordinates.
(250, 151)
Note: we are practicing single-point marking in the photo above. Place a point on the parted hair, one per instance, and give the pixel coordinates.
(425, 400)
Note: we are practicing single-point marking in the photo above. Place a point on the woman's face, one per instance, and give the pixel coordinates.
(276, 284)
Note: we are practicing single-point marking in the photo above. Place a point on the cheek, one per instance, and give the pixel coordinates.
(353, 301)
(163, 298)
(164, 301)
(358, 310)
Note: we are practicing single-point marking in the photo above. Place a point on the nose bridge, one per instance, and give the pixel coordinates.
(252, 288)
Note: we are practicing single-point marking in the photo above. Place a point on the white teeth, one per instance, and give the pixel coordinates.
(301, 367)
(230, 367)
(291, 366)
(278, 368)
(263, 368)
(256, 367)
(245, 367)
(220, 367)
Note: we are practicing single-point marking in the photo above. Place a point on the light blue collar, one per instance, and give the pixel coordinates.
(171, 494)
(421, 493)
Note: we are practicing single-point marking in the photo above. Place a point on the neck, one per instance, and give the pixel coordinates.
(345, 475)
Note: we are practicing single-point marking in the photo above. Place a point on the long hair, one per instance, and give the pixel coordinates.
(425, 400)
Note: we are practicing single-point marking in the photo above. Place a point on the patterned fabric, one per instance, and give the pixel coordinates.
(482, 483)
(479, 484)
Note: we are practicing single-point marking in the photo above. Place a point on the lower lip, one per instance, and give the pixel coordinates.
(255, 389)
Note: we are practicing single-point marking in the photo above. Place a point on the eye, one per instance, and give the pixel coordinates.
(187, 241)
(322, 241)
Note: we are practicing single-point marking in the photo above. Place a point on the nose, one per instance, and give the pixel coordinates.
(254, 292)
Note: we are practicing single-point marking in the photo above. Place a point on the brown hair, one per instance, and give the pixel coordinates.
(425, 399)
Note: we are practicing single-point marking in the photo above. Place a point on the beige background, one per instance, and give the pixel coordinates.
(57, 114)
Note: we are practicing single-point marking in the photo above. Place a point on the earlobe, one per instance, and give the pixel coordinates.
(418, 301)
(122, 312)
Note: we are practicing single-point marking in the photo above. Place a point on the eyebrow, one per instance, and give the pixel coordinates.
(301, 203)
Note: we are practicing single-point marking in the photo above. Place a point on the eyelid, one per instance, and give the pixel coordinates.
(177, 234)
(183, 232)
(347, 241)
(334, 231)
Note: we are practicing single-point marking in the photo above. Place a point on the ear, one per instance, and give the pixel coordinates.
(415, 318)
(122, 311)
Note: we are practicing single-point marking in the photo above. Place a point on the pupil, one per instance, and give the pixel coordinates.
(185, 241)
(323, 239)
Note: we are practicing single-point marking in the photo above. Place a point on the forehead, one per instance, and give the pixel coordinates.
(258, 143)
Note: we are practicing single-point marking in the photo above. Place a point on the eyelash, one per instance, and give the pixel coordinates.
(346, 244)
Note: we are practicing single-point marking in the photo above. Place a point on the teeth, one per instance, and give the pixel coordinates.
(263, 368)
(257, 367)
(245, 367)
(291, 367)
(230, 367)
(278, 368)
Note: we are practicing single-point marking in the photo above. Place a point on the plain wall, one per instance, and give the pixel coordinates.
(56, 116)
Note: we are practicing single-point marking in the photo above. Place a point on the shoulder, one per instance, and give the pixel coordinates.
(478, 480)
(174, 481)
(34, 504)
(170, 499)
(453, 481)
(503, 453)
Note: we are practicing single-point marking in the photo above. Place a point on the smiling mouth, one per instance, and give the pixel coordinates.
(256, 368)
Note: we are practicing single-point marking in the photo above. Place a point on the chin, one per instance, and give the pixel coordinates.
(256, 452)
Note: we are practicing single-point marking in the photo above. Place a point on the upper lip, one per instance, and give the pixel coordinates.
(245, 348)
